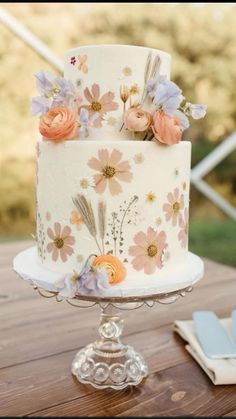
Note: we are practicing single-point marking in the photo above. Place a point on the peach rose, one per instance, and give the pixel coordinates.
(58, 124)
(166, 128)
(135, 119)
(114, 267)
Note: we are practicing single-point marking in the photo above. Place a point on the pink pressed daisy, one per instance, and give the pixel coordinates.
(111, 169)
(97, 104)
(61, 242)
(174, 206)
(148, 250)
(183, 233)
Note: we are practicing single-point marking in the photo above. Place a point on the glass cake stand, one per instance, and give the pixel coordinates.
(107, 362)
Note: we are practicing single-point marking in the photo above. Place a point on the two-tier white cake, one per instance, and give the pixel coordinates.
(113, 205)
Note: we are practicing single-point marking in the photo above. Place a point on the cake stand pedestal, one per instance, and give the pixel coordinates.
(107, 362)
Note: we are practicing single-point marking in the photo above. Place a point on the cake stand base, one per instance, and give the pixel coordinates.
(108, 363)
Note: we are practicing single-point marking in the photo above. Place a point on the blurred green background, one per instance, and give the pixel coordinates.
(202, 42)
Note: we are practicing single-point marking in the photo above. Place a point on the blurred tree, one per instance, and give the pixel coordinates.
(201, 41)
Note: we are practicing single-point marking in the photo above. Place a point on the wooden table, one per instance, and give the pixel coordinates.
(39, 338)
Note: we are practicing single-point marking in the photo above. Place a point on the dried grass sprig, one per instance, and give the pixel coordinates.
(147, 67)
(156, 67)
(150, 73)
(102, 221)
(146, 74)
(85, 209)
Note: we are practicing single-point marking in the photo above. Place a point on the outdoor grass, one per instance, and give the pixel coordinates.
(214, 239)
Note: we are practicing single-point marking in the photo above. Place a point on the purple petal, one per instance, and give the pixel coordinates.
(39, 105)
(44, 81)
(168, 96)
(184, 122)
(84, 116)
(171, 104)
(197, 111)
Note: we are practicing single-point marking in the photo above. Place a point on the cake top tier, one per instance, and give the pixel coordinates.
(110, 78)
(113, 92)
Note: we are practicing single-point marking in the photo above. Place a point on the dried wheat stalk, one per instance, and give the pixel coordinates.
(102, 221)
(85, 209)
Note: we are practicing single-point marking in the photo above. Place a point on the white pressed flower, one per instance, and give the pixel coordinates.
(109, 120)
(128, 73)
(85, 184)
(139, 158)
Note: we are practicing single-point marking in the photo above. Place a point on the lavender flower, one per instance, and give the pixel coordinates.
(39, 105)
(167, 95)
(93, 281)
(85, 121)
(152, 85)
(44, 82)
(65, 93)
(68, 285)
(196, 111)
(184, 122)
(58, 90)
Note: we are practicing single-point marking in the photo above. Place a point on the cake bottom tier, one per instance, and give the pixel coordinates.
(124, 201)
(26, 264)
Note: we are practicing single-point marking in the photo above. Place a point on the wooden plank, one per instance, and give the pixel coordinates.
(25, 388)
(232, 413)
(40, 337)
(177, 391)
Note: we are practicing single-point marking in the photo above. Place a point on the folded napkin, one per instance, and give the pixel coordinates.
(220, 371)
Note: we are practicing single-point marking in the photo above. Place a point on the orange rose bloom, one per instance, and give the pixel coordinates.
(166, 128)
(58, 124)
(114, 267)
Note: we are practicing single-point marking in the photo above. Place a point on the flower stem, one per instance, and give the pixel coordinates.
(99, 248)
(115, 246)
(145, 137)
(135, 199)
(123, 118)
(122, 126)
(150, 138)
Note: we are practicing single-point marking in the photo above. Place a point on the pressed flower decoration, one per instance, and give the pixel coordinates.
(183, 233)
(168, 118)
(148, 250)
(99, 104)
(76, 219)
(173, 208)
(111, 171)
(97, 275)
(61, 242)
(64, 114)
(69, 112)
(159, 112)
